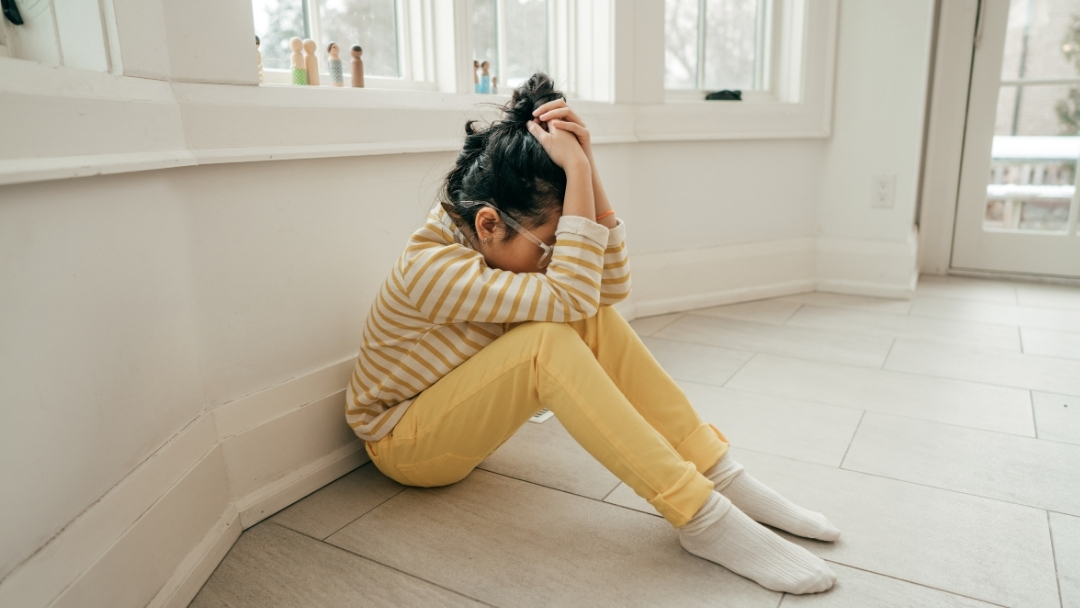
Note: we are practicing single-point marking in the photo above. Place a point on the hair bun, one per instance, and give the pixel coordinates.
(533, 93)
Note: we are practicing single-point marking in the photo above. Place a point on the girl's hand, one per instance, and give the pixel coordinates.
(561, 144)
(568, 120)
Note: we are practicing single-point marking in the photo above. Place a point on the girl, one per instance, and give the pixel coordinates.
(501, 305)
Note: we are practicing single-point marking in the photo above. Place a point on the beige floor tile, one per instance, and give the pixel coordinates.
(773, 312)
(977, 547)
(1027, 471)
(860, 589)
(1065, 530)
(1057, 417)
(331, 508)
(1050, 296)
(1051, 343)
(883, 305)
(961, 288)
(808, 431)
(890, 325)
(544, 453)
(512, 543)
(271, 566)
(839, 347)
(647, 326)
(970, 404)
(1001, 314)
(696, 362)
(624, 496)
(990, 366)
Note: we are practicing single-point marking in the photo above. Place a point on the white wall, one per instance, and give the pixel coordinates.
(175, 341)
(882, 72)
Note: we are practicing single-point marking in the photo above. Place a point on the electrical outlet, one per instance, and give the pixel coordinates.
(882, 191)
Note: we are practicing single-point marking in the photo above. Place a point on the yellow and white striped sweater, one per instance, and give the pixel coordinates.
(441, 304)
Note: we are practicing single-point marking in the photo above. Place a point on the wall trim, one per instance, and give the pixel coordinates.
(200, 563)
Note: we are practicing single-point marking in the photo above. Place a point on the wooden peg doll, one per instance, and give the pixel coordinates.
(485, 77)
(296, 61)
(311, 63)
(475, 76)
(494, 85)
(258, 54)
(357, 66)
(333, 63)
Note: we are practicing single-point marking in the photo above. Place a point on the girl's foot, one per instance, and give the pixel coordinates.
(723, 534)
(763, 504)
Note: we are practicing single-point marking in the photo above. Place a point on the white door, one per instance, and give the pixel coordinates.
(1018, 202)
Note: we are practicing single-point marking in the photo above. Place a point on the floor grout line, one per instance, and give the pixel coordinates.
(848, 449)
(1053, 554)
(911, 582)
(375, 561)
(863, 409)
(732, 376)
(886, 359)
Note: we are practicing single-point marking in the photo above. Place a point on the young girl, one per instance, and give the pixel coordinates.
(501, 305)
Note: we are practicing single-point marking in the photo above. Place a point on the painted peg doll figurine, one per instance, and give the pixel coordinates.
(311, 63)
(485, 77)
(333, 62)
(357, 66)
(476, 76)
(258, 55)
(296, 61)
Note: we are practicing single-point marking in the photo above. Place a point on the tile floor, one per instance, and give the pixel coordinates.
(941, 435)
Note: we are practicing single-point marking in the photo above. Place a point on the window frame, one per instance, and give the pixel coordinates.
(413, 20)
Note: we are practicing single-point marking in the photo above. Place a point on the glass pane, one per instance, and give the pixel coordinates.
(526, 23)
(1042, 40)
(731, 28)
(370, 23)
(680, 44)
(1034, 157)
(276, 21)
(485, 36)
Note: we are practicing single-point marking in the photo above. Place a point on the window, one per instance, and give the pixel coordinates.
(71, 34)
(395, 36)
(513, 36)
(717, 44)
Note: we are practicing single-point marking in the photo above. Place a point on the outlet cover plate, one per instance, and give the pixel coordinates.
(883, 191)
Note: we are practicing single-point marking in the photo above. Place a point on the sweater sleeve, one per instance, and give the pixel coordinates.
(452, 283)
(615, 279)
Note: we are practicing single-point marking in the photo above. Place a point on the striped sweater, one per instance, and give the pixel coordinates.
(441, 304)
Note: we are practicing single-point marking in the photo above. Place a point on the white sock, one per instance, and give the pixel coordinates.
(723, 534)
(763, 504)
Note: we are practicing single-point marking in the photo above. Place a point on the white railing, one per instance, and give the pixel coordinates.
(1032, 183)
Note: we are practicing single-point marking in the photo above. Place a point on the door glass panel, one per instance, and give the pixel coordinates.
(1032, 181)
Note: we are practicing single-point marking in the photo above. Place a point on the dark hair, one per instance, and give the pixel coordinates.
(503, 164)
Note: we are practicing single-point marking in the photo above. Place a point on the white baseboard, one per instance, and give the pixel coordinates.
(263, 503)
(674, 281)
(885, 269)
(226, 470)
(200, 563)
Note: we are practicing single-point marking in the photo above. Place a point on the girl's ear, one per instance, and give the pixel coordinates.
(486, 220)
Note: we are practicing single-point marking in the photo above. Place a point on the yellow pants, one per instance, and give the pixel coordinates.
(602, 384)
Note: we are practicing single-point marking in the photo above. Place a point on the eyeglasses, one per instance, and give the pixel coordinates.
(545, 258)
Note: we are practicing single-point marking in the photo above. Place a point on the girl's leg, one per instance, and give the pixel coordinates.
(658, 398)
(466, 415)
(453, 425)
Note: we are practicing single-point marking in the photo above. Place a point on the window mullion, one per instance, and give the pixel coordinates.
(311, 9)
(699, 71)
(500, 41)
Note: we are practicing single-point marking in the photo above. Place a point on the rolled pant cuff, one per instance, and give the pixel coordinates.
(704, 447)
(682, 501)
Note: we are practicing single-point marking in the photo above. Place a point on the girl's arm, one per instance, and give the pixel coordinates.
(615, 281)
(450, 284)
